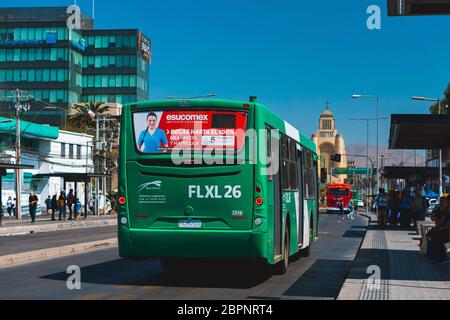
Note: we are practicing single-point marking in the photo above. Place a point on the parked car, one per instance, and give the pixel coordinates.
(360, 203)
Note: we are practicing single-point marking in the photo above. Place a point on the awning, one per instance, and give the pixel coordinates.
(72, 177)
(413, 173)
(13, 166)
(28, 129)
(419, 131)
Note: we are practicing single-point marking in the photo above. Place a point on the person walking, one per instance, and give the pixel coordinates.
(70, 202)
(62, 205)
(9, 206)
(340, 203)
(54, 206)
(382, 203)
(351, 210)
(32, 205)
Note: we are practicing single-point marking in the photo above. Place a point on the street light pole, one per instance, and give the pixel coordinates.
(440, 150)
(355, 96)
(18, 96)
(367, 146)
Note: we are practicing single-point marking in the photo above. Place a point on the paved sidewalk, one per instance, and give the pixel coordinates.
(405, 273)
(43, 223)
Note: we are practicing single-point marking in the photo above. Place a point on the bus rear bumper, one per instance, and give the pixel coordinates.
(192, 243)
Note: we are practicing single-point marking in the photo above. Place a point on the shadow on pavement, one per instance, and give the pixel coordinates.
(399, 265)
(149, 273)
(354, 234)
(323, 279)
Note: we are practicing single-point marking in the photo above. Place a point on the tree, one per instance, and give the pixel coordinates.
(82, 117)
(444, 103)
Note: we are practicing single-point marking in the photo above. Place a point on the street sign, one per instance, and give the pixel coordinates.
(351, 171)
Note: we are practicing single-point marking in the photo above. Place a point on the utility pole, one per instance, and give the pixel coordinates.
(21, 105)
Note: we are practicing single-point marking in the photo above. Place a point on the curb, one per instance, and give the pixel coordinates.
(51, 253)
(49, 227)
(353, 286)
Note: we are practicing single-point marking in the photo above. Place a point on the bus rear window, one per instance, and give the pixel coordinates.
(160, 131)
(338, 191)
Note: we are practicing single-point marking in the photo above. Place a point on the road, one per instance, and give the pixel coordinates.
(104, 275)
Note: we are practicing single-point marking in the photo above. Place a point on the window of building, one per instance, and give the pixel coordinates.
(63, 150)
(71, 151)
(78, 152)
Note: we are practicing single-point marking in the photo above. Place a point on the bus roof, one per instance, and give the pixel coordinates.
(222, 103)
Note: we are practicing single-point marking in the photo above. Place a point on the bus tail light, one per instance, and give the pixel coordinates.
(258, 189)
(122, 200)
(259, 201)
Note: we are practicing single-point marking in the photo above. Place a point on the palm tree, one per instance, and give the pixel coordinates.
(82, 118)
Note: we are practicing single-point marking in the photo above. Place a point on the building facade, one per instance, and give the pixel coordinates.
(61, 66)
(51, 152)
(329, 142)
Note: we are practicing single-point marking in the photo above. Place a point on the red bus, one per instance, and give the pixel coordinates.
(336, 192)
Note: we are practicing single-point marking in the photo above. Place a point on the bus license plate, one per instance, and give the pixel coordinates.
(190, 224)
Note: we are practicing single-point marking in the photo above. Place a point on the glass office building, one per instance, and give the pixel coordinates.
(59, 66)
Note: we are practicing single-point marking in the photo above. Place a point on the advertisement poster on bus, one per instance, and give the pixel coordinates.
(159, 131)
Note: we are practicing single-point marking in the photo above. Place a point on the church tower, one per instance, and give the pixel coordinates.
(329, 142)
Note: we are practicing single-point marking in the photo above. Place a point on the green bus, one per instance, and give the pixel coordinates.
(210, 178)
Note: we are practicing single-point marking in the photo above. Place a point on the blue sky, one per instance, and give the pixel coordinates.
(292, 54)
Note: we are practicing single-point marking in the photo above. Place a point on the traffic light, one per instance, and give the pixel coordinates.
(336, 157)
(323, 175)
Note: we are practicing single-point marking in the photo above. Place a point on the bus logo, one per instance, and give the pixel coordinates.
(153, 185)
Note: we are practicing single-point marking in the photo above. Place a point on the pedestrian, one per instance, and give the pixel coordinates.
(77, 209)
(419, 209)
(62, 205)
(32, 205)
(340, 203)
(48, 204)
(9, 206)
(14, 203)
(395, 209)
(70, 202)
(351, 210)
(54, 206)
(406, 206)
(382, 203)
(101, 204)
(91, 205)
(440, 233)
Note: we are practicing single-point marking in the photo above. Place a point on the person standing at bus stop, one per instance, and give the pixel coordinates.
(152, 137)
(32, 205)
(62, 205)
(382, 202)
(70, 202)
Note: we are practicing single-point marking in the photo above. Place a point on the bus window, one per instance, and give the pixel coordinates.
(285, 162)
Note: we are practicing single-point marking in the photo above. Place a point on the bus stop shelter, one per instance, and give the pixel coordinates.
(3, 168)
(75, 177)
(413, 173)
(419, 131)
